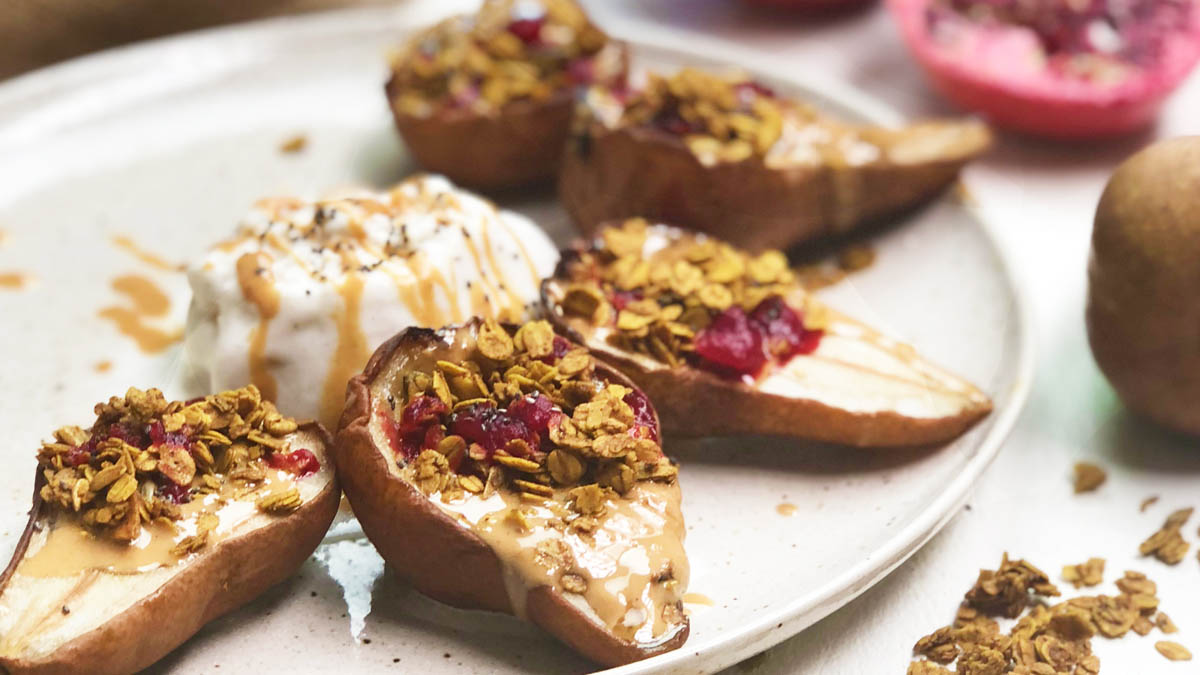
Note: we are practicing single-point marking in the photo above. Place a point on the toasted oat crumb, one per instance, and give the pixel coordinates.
(1090, 573)
(1167, 543)
(1147, 503)
(1173, 650)
(293, 144)
(1165, 624)
(1088, 477)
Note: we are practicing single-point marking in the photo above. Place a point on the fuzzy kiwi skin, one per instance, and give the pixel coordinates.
(1143, 316)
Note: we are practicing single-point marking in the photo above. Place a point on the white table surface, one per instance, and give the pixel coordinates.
(1041, 197)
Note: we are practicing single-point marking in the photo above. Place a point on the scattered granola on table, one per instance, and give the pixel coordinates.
(1167, 544)
(149, 461)
(1088, 477)
(1046, 639)
(1090, 573)
(1173, 650)
(1147, 503)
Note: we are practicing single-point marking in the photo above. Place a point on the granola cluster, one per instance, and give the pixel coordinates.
(1046, 639)
(1168, 544)
(511, 50)
(720, 118)
(688, 301)
(525, 412)
(145, 458)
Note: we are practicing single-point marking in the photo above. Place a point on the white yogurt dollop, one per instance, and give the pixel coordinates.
(296, 302)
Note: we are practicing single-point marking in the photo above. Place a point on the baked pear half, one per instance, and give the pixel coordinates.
(728, 156)
(156, 520)
(728, 342)
(487, 99)
(504, 469)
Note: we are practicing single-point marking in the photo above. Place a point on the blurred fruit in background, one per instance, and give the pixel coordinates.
(1143, 317)
(810, 6)
(1055, 68)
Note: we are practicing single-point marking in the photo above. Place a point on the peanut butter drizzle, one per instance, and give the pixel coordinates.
(15, 281)
(258, 288)
(351, 352)
(103, 366)
(148, 302)
(786, 509)
(147, 298)
(698, 599)
(533, 272)
(639, 536)
(70, 548)
(154, 260)
(513, 310)
(481, 305)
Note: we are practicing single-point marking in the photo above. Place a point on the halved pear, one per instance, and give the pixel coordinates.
(857, 387)
(74, 601)
(612, 590)
(487, 102)
(818, 177)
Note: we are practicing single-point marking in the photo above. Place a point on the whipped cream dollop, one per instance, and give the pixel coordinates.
(300, 297)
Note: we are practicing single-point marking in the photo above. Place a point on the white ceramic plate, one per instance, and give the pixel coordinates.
(169, 142)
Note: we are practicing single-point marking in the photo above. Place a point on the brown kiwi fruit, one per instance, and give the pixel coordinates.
(1143, 315)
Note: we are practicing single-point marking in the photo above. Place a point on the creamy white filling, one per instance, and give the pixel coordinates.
(423, 254)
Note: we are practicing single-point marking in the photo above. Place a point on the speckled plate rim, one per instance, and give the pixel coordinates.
(63, 95)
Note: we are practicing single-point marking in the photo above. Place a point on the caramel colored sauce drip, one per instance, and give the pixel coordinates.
(153, 259)
(786, 509)
(70, 548)
(533, 271)
(147, 302)
(14, 281)
(512, 312)
(258, 288)
(698, 599)
(103, 366)
(351, 352)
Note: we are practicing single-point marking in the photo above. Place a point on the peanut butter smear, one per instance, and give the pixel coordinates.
(146, 302)
(154, 260)
(15, 281)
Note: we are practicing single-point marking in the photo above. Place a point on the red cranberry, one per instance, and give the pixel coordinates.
(669, 121)
(80, 455)
(528, 30)
(174, 493)
(560, 348)
(731, 344)
(581, 71)
(300, 462)
(643, 414)
(420, 411)
(783, 329)
(749, 90)
(433, 436)
(482, 423)
(129, 434)
(535, 412)
(621, 299)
